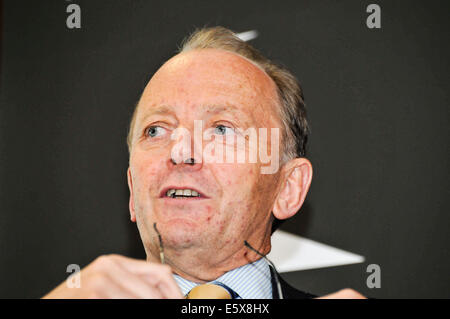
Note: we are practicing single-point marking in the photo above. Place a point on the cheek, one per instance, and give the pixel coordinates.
(217, 224)
(209, 212)
(238, 183)
(233, 176)
(146, 170)
(231, 241)
(236, 176)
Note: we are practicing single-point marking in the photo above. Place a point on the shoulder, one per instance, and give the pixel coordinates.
(290, 292)
(287, 290)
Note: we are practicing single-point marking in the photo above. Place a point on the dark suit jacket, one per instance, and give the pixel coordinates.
(288, 291)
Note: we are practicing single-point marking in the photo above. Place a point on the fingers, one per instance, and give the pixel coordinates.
(157, 275)
(344, 294)
(141, 279)
(129, 284)
(102, 287)
(114, 276)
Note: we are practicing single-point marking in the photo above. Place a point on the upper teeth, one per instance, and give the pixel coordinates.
(182, 192)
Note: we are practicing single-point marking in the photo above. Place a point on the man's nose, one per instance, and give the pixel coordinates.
(187, 163)
(185, 151)
(190, 161)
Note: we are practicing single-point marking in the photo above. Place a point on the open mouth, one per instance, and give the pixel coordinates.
(181, 193)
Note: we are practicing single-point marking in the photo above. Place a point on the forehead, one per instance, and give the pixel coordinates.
(212, 77)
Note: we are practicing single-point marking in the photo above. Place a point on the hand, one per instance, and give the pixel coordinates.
(115, 276)
(344, 294)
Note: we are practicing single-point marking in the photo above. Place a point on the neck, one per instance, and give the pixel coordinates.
(200, 266)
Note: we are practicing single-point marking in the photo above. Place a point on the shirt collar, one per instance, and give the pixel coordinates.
(251, 281)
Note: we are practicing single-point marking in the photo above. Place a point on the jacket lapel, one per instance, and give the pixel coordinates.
(287, 290)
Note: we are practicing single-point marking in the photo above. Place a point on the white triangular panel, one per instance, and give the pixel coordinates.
(293, 253)
(247, 35)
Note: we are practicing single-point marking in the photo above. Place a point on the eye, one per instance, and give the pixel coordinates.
(223, 130)
(154, 131)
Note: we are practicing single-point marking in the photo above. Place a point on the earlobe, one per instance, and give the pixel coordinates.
(131, 202)
(292, 193)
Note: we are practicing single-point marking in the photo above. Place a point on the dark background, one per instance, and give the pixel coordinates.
(378, 103)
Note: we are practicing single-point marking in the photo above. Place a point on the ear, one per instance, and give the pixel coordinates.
(292, 193)
(131, 203)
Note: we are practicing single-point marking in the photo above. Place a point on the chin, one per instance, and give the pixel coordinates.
(180, 233)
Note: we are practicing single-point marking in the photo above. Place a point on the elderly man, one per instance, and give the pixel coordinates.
(205, 221)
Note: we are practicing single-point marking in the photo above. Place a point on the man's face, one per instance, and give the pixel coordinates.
(222, 90)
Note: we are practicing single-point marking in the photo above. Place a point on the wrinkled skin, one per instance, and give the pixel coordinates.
(203, 238)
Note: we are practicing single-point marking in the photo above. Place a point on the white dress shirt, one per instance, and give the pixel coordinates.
(251, 281)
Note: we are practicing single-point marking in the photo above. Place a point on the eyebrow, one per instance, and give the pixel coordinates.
(157, 110)
(243, 119)
(211, 110)
(216, 109)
